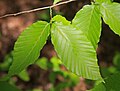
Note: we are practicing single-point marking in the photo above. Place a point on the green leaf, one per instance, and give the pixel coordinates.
(111, 16)
(105, 72)
(62, 19)
(24, 75)
(112, 83)
(42, 63)
(116, 60)
(4, 86)
(88, 19)
(28, 46)
(56, 1)
(102, 1)
(37, 89)
(100, 87)
(56, 63)
(7, 62)
(75, 50)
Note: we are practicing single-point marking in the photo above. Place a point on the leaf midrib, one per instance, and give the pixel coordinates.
(89, 25)
(74, 53)
(67, 39)
(37, 41)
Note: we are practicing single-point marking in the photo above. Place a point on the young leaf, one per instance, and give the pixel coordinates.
(111, 16)
(88, 20)
(62, 19)
(28, 46)
(75, 50)
(24, 75)
(56, 63)
(56, 1)
(42, 63)
(102, 1)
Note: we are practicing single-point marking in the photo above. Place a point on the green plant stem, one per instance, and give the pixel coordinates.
(50, 15)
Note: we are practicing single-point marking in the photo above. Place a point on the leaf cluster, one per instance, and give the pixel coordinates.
(75, 41)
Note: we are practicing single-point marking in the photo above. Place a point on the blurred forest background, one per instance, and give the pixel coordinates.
(48, 74)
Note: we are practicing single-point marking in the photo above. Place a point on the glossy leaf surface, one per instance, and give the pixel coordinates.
(28, 46)
(103, 1)
(88, 19)
(111, 16)
(75, 50)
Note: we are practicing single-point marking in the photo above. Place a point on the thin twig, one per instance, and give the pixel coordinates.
(38, 9)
